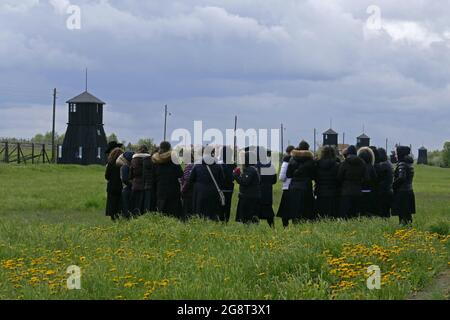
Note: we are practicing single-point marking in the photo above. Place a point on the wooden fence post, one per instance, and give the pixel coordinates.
(32, 153)
(18, 153)
(6, 152)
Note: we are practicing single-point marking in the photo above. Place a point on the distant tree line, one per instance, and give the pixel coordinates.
(39, 138)
(149, 142)
(46, 138)
(440, 158)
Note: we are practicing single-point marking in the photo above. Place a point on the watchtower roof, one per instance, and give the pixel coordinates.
(364, 136)
(85, 97)
(330, 131)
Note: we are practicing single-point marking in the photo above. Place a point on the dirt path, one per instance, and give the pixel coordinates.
(439, 289)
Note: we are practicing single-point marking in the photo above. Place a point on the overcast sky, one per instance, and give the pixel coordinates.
(269, 61)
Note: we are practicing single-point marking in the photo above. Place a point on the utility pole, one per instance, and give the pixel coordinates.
(282, 138)
(315, 143)
(386, 144)
(165, 122)
(235, 140)
(53, 127)
(343, 138)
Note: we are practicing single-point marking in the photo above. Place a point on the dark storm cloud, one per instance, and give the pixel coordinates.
(297, 62)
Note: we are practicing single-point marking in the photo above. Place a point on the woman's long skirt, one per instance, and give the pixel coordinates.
(369, 204)
(350, 206)
(126, 202)
(301, 205)
(113, 205)
(227, 207)
(385, 204)
(188, 209)
(327, 206)
(206, 202)
(284, 204)
(404, 206)
(141, 202)
(248, 210)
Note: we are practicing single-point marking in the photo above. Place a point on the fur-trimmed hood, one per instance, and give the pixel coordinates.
(367, 155)
(299, 154)
(162, 158)
(121, 161)
(141, 155)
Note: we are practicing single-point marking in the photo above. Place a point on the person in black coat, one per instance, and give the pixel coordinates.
(114, 185)
(369, 205)
(404, 204)
(124, 162)
(206, 201)
(249, 190)
(268, 177)
(166, 176)
(301, 170)
(142, 181)
(326, 187)
(351, 174)
(228, 166)
(385, 174)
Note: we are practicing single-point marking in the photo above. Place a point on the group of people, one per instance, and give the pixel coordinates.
(352, 184)
(357, 183)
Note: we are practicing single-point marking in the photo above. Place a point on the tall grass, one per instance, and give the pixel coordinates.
(51, 217)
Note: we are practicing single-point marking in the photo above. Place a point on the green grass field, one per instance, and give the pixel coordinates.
(52, 217)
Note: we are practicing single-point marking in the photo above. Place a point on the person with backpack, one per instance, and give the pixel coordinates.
(404, 204)
(248, 209)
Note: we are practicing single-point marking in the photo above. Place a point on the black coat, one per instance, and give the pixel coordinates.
(166, 175)
(404, 202)
(114, 190)
(351, 175)
(326, 178)
(267, 180)
(249, 206)
(112, 175)
(404, 175)
(206, 199)
(301, 170)
(228, 182)
(249, 183)
(385, 177)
